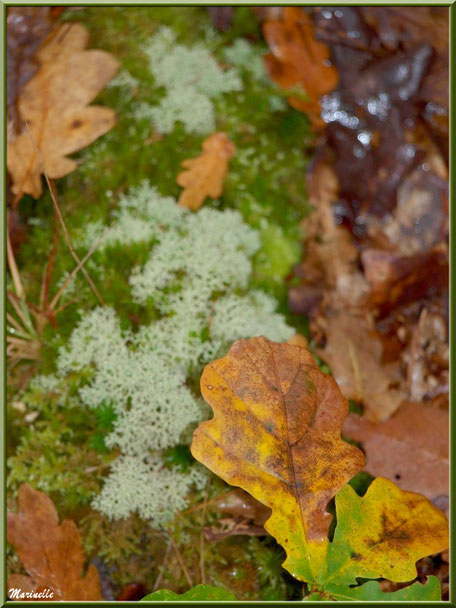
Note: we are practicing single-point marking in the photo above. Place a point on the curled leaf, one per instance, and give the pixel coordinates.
(276, 434)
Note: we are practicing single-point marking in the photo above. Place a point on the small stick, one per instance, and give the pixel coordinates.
(162, 568)
(61, 220)
(181, 561)
(13, 267)
(59, 294)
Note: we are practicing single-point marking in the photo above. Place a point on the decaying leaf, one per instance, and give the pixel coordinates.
(383, 534)
(204, 174)
(276, 434)
(411, 449)
(54, 104)
(297, 59)
(52, 554)
(354, 354)
(396, 280)
(243, 515)
(428, 356)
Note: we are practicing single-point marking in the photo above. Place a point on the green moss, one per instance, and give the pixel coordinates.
(266, 183)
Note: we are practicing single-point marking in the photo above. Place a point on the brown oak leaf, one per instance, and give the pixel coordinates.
(52, 554)
(204, 174)
(54, 104)
(411, 449)
(354, 353)
(276, 434)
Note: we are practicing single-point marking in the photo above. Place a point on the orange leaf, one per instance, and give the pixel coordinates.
(298, 59)
(204, 175)
(54, 103)
(276, 434)
(51, 553)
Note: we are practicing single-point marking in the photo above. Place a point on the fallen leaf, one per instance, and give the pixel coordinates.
(204, 174)
(395, 280)
(276, 434)
(383, 534)
(354, 353)
(411, 449)
(52, 554)
(241, 505)
(299, 340)
(372, 592)
(246, 516)
(428, 357)
(54, 104)
(26, 28)
(201, 593)
(298, 60)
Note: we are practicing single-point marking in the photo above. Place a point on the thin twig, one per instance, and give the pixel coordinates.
(73, 273)
(203, 521)
(201, 505)
(181, 561)
(19, 289)
(162, 567)
(61, 220)
(47, 274)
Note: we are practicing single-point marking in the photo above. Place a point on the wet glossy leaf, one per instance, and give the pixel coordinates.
(276, 434)
(383, 534)
(297, 59)
(202, 593)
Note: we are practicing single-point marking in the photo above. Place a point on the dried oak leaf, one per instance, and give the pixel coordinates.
(411, 449)
(331, 261)
(52, 554)
(297, 59)
(204, 174)
(276, 434)
(54, 104)
(354, 354)
(26, 28)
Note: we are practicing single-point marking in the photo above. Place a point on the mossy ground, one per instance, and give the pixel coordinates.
(266, 182)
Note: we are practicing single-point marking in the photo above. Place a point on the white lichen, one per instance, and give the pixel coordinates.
(245, 56)
(191, 78)
(145, 485)
(197, 280)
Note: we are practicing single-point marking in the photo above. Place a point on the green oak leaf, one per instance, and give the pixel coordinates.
(203, 593)
(371, 592)
(382, 534)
